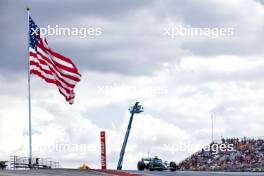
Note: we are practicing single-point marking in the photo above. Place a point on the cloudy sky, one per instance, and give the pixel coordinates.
(180, 79)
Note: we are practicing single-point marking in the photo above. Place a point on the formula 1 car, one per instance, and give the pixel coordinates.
(156, 164)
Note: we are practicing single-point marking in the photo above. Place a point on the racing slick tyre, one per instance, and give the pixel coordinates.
(151, 168)
(173, 166)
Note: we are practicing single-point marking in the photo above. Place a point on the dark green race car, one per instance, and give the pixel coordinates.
(156, 164)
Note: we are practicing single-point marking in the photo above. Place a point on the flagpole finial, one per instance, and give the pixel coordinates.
(28, 8)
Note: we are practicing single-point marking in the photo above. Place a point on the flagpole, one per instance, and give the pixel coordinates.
(29, 100)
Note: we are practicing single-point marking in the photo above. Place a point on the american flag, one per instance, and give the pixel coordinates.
(51, 66)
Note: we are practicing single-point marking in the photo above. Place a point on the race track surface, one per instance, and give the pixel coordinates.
(75, 172)
(193, 173)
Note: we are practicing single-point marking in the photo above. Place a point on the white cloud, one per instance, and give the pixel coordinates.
(180, 115)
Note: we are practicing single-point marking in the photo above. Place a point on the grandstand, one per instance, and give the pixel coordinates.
(247, 155)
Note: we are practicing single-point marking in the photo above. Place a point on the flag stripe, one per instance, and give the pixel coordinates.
(59, 59)
(45, 66)
(68, 79)
(46, 53)
(42, 55)
(50, 77)
(62, 91)
(50, 72)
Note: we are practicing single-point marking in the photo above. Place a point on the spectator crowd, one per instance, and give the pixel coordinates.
(247, 154)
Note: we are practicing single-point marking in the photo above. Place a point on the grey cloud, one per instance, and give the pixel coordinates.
(131, 43)
(253, 75)
(242, 46)
(260, 1)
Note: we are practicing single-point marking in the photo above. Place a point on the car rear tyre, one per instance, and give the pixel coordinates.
(173, 166)
(151, 168)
